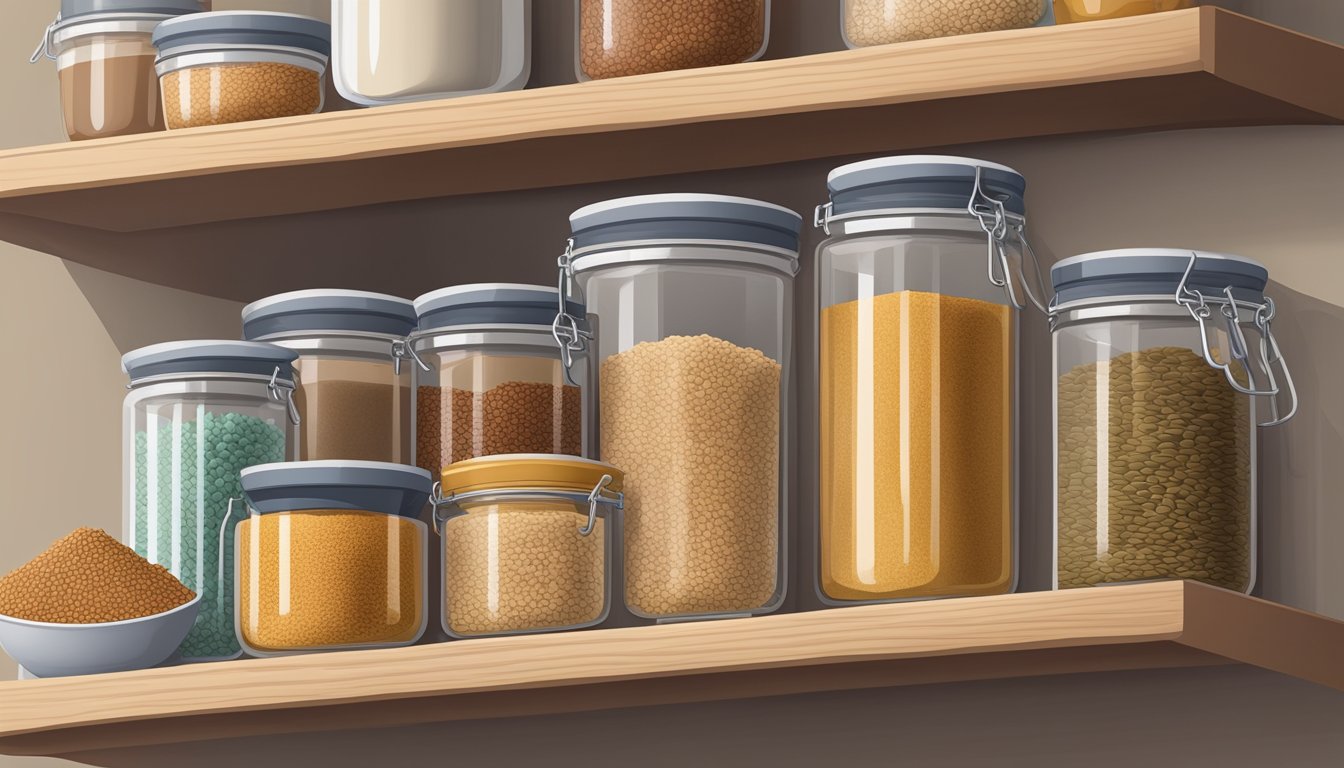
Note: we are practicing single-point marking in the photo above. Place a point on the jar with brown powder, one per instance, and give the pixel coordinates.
(635, 37)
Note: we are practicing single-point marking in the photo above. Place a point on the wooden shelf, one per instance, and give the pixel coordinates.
(201, 208)
(1159, 625)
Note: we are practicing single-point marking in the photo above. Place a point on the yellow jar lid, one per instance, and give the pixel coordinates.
(528, 470)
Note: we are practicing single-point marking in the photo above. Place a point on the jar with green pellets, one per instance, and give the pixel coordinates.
(196, 415)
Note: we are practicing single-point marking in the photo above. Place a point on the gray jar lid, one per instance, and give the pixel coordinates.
(491, 304)
(1145, 272)
(251, 358)
(328, 310)
(921, 181)
(370, 486)
(71, 10)
(243, 28)
(686, 217)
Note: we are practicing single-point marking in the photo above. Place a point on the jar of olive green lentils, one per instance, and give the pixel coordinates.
(1165, 365)
(197, 414)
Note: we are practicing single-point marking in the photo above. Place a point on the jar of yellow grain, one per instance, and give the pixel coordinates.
(919, 289)
(1069, 11)
(331, 556)
(526, 543)
(234, 66)
(690, 298)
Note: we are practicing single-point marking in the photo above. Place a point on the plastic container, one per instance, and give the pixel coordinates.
(199, 412)
(526, 543)
(234, 66)
(691, 301)
(879, 22)
(1164, 364)
(1069, 11)
(918, 365)
(615, 38)
(410, 50)
(331, 556)
(105, 63)
(354, 382)
(489, 376)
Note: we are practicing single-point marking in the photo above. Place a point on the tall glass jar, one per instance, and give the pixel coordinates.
(615, 38)
(1164, 364)
(489, 377)
(354, 387)
(197, 414)
(878, 22)
(690, 298)
(918, 363)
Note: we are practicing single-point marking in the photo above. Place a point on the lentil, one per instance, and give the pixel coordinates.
(519, 566)
(325, 578)
(631, 37)
(88, 577)
(234, 93)
(694, 423)
(916, 454)
(1176, 499)
(878, 22)
(184, 479)
(513, 417)
(1068, 11)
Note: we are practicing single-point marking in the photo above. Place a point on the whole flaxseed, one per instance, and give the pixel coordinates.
(878, 22)
(234, 93)
(513, 417)
(632, 37)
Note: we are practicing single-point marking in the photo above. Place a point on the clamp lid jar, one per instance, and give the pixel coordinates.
(614, 38)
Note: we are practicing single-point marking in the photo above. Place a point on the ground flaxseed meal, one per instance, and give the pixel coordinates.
(693, 421)
(88, 577)
(233, 93)
(513, 417)
(632, 37)
(353, 420)
(878, 22)
(916, 447)
(1171, 496)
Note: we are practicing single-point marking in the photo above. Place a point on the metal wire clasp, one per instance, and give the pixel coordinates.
(998, 225)
(283, 392)
(615, 499)
(44, 47)
(404, 349)
(601, 494)
(566, 329)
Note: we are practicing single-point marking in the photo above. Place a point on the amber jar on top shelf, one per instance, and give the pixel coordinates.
(635, 37)
(1069, 11)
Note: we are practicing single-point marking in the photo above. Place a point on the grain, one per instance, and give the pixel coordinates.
(878, 22)
(88, 577)
(1171, 497)
(513, 417)
(325, 578)
(694, 423)
(1068, 11)
(233, 93)
(632, 37)
(519, 566)
(916, 451)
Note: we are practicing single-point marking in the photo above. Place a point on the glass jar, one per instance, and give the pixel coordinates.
(1164, 363)
(526, 543)
(199, 412)
(354, 392)
(634, 37)
(489, 378)
(410, 50)
(691, 301)
(105, 63)
(234, 66)
(878, 22)
(1069, 11)
(331, 556)
(918, 365)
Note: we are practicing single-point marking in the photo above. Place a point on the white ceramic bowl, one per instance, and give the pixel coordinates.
(58, 650)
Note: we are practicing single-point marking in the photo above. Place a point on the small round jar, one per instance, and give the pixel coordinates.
(1070, 11)
(235, 66)
(354, 385)
(526, 543)
(331, 556)
(615, 38)
(879, 22)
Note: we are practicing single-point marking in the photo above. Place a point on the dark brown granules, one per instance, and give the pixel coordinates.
(354, 420)
(89, 577)
(631, 37)
(514, 417)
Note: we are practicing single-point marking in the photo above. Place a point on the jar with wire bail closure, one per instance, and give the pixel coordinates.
(920, 284)
(196, 415)
(1165, 363)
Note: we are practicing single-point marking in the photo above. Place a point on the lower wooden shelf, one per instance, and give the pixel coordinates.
(1159, 625)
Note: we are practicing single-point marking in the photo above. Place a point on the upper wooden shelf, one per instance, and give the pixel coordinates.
(1159, 625)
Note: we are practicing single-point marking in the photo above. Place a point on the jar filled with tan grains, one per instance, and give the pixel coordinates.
(527, 541)
(635, 37)
(1165, 363)
(235, 66)
(690, 298)
(878, 22)
(331, 556)
(1069, 11)
(354, 377)
(919, 291)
